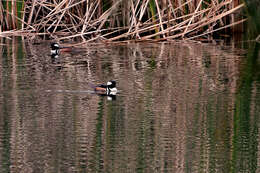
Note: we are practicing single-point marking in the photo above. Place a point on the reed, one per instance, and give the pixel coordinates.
(115, 20)
(11, 14)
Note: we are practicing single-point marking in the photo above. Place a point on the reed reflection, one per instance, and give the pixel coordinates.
(181, 107)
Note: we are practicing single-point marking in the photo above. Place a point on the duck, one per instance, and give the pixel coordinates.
(56, 49)
(109, 89)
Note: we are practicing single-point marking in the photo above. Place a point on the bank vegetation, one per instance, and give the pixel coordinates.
(118, 20)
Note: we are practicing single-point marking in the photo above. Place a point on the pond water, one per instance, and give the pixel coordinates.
(181, 107)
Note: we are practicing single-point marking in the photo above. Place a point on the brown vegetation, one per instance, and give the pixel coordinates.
(113, 20)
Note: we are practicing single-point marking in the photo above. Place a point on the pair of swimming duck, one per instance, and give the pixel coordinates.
(109, 89)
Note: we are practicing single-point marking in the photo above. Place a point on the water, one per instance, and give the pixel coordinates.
(182, 107)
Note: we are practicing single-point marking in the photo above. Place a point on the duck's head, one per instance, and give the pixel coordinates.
(111, 88)
(55, 49)
(111, 84)
(55, 46)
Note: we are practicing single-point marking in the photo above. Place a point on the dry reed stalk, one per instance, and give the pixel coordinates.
(177, 27)
(151, 27)
(31, 13)
(7, 16)
(15, 17)
(200, 24)
(13, 12)
(191, 19)
(172, 28)
(218, 17)
(1, 15)
(58, 9)
(136, 19)
(132, 17)
(160, 17)
(205, 22)
(213, 30)
(104, 17)
(87, 16)
(62, 15)
(258, 39)
(142, 11)
(171, 9)
(227, 26)
(11, 33)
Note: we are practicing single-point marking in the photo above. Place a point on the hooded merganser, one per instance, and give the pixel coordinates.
(108, 89)
(56, 49)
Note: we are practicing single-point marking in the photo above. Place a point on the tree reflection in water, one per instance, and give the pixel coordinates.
(182, 107)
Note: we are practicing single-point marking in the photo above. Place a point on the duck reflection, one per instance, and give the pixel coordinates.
(109, 90)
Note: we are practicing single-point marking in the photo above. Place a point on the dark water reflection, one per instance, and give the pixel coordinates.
(182, 107)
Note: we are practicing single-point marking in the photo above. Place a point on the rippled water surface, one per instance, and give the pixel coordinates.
(181, 107)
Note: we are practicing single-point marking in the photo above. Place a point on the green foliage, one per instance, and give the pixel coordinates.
(253, 15)
(20, 8)
(153, 11)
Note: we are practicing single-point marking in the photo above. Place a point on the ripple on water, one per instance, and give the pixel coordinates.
(182, 107)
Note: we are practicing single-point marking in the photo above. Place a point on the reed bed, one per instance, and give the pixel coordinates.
(117, 20)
